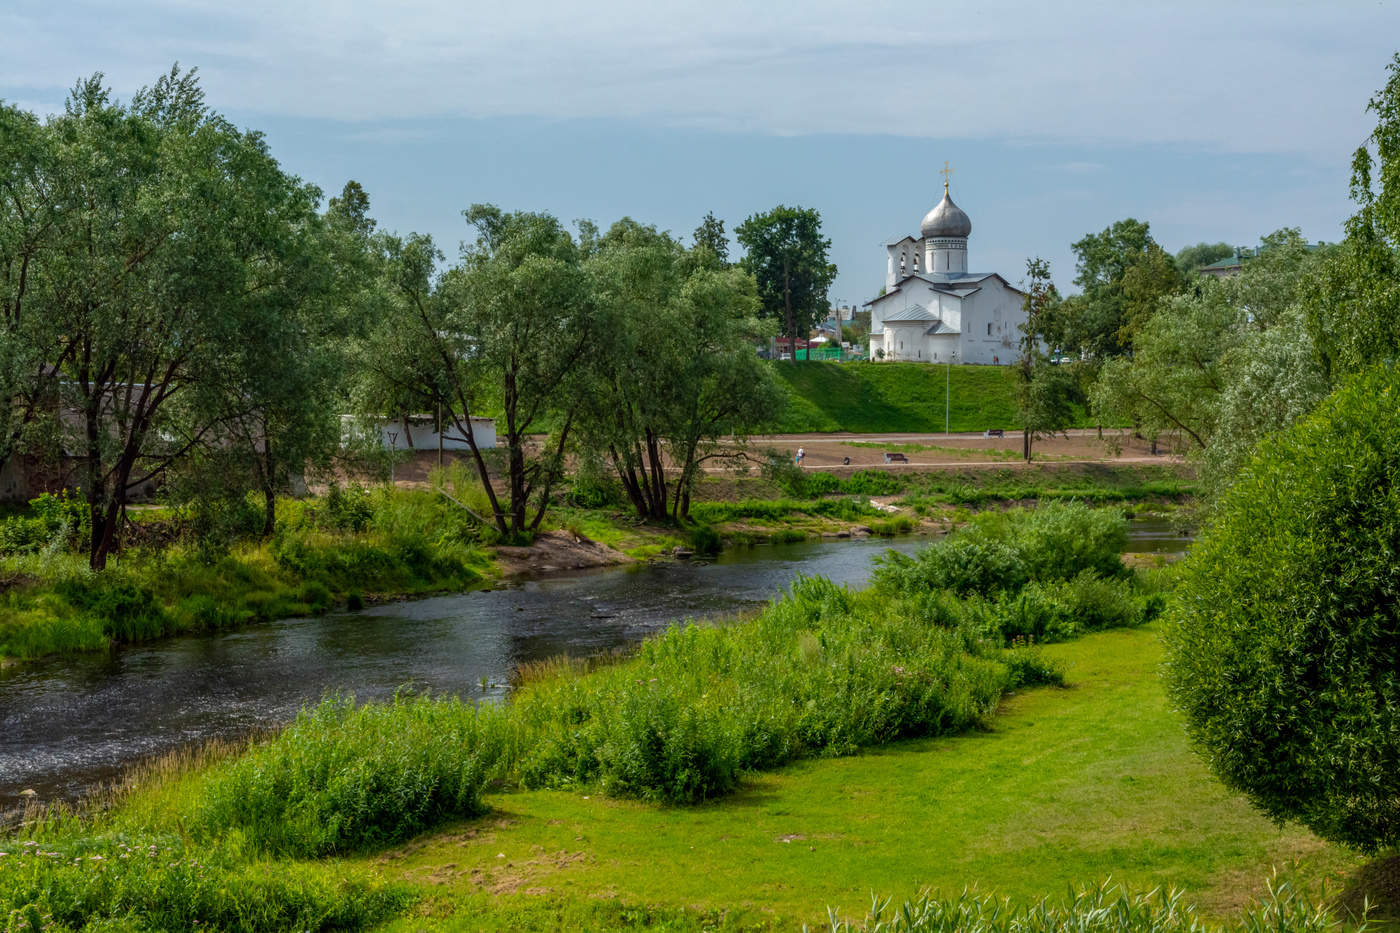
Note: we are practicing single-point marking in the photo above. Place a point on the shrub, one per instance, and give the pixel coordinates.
(1004, 551)
(54, 520)
(128, 611)
(963, 563)
(348, 509)
(1284, 647)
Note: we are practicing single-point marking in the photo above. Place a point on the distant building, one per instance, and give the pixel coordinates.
(1231, 265)
(934, 310)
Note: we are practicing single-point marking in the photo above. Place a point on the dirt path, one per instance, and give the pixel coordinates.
(834, 452)
(971, 450)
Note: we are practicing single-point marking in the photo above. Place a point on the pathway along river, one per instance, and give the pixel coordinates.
(68, 725)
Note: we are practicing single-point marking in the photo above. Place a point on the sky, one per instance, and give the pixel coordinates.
(1212, 121)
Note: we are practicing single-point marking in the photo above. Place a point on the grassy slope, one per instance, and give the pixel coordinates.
(1068, 787)
(904, 397)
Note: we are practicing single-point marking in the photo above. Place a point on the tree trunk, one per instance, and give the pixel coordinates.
(269, 486)
(1026, 441)
(787, 313)
(96, 489)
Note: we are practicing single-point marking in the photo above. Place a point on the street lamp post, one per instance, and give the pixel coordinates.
(947, 390)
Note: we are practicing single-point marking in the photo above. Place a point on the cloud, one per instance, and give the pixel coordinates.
(1241, 77)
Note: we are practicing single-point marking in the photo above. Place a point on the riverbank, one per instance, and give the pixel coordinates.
(356, 546)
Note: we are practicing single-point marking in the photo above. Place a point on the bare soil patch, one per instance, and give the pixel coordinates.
(558, 550)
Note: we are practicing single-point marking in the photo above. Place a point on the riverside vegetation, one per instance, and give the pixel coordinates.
(206, 566)
(685, 720)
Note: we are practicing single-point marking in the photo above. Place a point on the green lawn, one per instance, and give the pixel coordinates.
(1068, 786)
(897, 397)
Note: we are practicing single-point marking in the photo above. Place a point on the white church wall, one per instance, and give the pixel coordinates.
(993, 333)
(944, 348)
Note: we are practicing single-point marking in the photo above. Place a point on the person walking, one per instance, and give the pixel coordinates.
(800, 454)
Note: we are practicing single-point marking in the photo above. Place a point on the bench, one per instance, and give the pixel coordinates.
(994, 432)
(895, 458)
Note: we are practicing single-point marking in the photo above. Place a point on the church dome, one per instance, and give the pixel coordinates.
(946, 219)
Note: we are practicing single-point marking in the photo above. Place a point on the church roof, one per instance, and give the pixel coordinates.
(946, 219)
(941, 327)
(957, 285)
(913, 313)
(896, 240)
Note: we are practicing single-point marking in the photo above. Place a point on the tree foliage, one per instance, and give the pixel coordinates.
(1285, 648)
(787, 256)
(502, 333)
(710, 237)
(1045, 390)
(1224, 364)
(167, 252)
(1191, 259)
(678, 373)
(1122, 274)
(1354, 310)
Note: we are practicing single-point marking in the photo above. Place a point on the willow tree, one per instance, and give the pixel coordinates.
(175, 244)
(502, 334)
(677, 384)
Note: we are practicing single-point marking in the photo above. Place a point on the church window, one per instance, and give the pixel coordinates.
(989, 328)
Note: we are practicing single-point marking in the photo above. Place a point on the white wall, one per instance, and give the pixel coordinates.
(421, 436)
(999, 306)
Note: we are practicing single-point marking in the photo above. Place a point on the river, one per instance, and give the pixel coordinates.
(70, 724)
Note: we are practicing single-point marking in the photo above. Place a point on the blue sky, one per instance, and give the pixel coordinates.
(1213, 121)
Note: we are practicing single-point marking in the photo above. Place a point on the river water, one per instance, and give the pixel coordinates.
(68, 725)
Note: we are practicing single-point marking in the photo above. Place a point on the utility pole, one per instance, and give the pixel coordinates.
(948, 390)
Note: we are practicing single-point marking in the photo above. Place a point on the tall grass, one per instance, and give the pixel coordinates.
(825, 671)
(342, 777)
(1104, 483)
(1106, 908)
(69, 881)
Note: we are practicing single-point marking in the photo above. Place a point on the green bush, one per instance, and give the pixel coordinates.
(1003, 551)
(54, 520)
(343, 777)
(1284, 647)
(966, 563)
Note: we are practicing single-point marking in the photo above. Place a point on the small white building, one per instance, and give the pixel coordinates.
(934, 310)
(416, 432)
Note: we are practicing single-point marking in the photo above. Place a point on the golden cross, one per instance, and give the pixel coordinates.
(945, 171)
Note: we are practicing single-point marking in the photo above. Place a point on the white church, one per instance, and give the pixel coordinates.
(934, 310)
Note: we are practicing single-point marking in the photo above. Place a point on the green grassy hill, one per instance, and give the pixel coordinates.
(894, 397)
